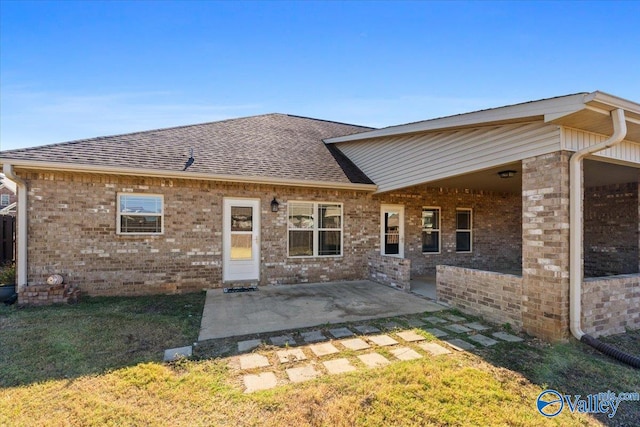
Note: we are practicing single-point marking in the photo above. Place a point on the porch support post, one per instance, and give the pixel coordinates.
(545, 245)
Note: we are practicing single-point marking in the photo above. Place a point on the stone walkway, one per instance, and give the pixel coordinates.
(314, 353)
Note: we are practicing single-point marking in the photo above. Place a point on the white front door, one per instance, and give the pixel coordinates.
(241, 240)
(392, 230)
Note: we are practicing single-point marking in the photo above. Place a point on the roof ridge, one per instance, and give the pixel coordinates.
(328, 121)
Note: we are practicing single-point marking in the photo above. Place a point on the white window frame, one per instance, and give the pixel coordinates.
(465, 230)
(439, 229)
(119, 215)
(5, 199)
(316, 229)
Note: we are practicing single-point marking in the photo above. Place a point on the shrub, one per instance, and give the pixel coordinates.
(8, 274)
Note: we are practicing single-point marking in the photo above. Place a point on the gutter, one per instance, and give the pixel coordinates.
(158, 173)
(21, 243)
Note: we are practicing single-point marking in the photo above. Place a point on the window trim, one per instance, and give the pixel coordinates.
(439, 229)
(119, 215)
(316, 229)
(465, 230)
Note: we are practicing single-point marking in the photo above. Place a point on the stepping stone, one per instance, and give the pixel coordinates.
(341, 332)
(338, 366)
(367, 329)
(434, 320)
(415, 323)
(176, 353)
(252, 361)
(481, 339)
(263, 381)
(382, 340)
(304, 373)
(323, 349)
(507, 337)
(390, 326)
(313, 336)
(373, 360)
(293, 355)
(355, 344)
(460, 345)
(248, 345)
(458, 329)
(433, 348)
(405, 353)
(455, 318)
(410, 336)
(476, 326)
(282, 340)
(436, 332)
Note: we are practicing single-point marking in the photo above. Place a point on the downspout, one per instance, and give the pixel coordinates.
(21, 255)
(576, 266)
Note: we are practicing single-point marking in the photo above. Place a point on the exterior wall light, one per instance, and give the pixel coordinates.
(274, 205)
(507, 174)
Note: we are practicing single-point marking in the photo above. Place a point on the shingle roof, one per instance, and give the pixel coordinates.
(270, 146)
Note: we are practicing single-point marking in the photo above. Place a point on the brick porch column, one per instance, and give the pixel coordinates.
(545, 245)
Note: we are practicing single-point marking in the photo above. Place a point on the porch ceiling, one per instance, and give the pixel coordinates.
(596, 173)
(487, 179)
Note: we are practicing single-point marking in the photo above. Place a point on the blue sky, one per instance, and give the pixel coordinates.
(71, 70)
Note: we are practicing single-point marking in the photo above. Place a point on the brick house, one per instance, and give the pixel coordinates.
(7, 196)
(480, 200)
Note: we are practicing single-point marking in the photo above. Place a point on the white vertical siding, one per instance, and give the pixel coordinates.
(574, 140)
(405, 160)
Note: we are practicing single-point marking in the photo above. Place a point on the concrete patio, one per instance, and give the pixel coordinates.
(276, 308)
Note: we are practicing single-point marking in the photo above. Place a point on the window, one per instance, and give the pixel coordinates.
(430, 230)
(463, 230)
(4, 200)
(315, 229)
(140, 214)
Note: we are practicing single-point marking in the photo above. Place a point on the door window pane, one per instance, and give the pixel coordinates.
(241, 247)
(241, 218)
(392, 233)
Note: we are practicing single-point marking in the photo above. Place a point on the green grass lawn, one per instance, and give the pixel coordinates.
(99, 363)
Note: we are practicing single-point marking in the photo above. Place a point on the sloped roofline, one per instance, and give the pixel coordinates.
(141, 132)
(19, 158)
(548, 109)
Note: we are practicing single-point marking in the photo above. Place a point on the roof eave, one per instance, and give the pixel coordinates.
(529, 111)
(157, 173)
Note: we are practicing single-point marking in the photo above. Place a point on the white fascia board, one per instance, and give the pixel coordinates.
(156, 173)
(612, 101)
(526, 111)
